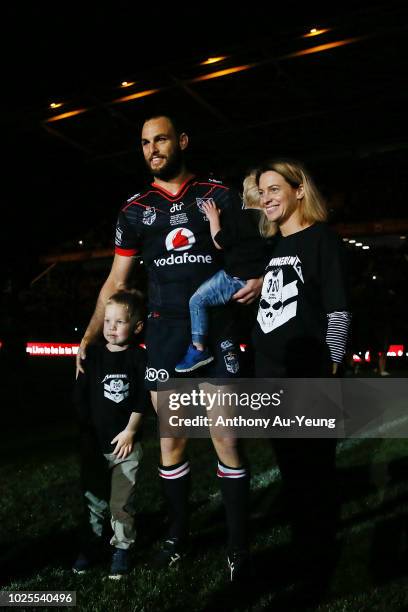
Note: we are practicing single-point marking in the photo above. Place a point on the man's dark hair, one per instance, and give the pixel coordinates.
(177, 123)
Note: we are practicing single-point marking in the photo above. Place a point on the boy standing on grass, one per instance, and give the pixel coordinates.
(111, 398)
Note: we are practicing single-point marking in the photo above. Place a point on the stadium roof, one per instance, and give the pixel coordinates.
(248, 82)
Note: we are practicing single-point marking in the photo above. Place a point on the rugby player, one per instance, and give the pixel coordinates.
(165, 223)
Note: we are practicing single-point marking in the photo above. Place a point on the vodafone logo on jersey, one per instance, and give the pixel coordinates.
(180, 239)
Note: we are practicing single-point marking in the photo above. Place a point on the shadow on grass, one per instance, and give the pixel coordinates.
(284, 578)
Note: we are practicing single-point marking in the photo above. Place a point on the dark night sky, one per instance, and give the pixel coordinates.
(50, 50)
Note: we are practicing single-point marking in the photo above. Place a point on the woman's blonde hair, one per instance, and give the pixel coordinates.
(311, 207)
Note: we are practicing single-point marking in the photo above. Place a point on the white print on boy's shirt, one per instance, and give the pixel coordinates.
(116, 390)
(277, 305)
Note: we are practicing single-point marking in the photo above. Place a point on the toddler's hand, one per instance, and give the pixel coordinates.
(124, 444)
(211, 211)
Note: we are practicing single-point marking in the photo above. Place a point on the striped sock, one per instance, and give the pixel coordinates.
(176, 488)
(234, 483)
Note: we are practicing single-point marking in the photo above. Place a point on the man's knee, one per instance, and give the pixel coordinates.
(226, 444)
(172, 450)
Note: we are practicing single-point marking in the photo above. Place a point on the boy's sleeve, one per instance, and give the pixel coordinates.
(231, 212)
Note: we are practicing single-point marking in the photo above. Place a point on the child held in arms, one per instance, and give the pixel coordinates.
(244, 258)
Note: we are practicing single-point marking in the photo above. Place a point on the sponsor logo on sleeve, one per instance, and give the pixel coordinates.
(119, 232)
(153, 375)
(231, 362)
(227, 344)
(133, 197)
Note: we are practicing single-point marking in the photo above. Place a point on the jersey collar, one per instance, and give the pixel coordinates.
(174, 196)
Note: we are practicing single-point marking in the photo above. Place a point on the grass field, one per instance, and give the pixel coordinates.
(40, 509)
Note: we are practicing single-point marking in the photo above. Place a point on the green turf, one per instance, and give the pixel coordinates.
(40, 511)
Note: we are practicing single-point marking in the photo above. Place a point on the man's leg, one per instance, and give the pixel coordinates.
(234, 480)
(174, 472)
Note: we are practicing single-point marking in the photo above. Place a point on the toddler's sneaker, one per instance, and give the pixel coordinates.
(82, 564)
(120, 564)
(194, 359)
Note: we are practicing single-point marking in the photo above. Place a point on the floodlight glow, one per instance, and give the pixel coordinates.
(213, 60)
(316, 32)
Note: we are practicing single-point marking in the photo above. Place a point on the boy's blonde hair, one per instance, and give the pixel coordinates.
(251, 192)
(133, 301)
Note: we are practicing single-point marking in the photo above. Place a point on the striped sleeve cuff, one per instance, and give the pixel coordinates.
(337, 334)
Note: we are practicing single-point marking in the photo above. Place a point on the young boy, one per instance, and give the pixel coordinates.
(110, 397)
(244, 255)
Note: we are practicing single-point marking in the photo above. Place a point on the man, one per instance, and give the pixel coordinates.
(165, 222)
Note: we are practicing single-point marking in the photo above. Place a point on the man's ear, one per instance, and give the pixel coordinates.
(183, 141)
(300, 192)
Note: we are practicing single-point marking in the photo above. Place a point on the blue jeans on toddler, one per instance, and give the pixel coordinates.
(216, 291)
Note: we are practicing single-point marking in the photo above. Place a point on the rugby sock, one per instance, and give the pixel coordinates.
(234, 483)
(176, 488)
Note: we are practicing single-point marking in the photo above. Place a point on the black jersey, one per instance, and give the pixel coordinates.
(304, 281)
(111, 388)
(173, 235)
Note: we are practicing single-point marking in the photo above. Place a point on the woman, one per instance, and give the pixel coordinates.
(301, 329)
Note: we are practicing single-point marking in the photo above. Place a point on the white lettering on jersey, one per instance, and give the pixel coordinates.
(133, 197)
(176, 207)
(182, 259)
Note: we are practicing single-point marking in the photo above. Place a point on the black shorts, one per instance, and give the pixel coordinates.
(265, 367)
(167, 340)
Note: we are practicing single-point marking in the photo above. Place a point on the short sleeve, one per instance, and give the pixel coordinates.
(127, 237)
(333, 273)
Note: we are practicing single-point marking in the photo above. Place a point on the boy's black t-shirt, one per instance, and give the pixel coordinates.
(110, 390)
(304, 281)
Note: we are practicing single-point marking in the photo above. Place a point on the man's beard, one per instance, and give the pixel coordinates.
(171, 169)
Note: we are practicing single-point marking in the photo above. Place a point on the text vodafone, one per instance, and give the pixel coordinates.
(182, 259)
